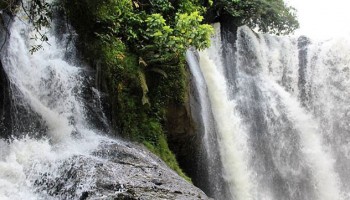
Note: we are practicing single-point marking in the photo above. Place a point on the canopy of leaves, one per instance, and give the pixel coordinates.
(187, 31)
(269, 16)
(167, 25)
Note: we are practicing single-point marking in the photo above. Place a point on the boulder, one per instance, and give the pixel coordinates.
(116, 170)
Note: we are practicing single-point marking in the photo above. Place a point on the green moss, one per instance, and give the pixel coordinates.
(162, 150)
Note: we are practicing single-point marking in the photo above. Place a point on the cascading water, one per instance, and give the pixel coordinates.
(54, 152)
(326, 88)
(47, 85)
(281, 115)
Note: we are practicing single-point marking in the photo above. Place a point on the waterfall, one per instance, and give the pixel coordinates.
(43, 83)
(50, 87)
(281, 115)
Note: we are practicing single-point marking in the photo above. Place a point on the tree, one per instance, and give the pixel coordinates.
(269, 16)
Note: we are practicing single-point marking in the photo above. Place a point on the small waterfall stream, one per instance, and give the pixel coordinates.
(281, 116)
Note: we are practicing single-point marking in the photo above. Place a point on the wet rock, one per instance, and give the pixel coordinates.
(115, 171)
(5, 100)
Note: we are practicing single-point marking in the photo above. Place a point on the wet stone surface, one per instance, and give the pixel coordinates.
(115, 171)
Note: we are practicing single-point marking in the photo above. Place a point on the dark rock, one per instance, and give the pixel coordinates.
(84, 196)
(5, 101)
(5, 116)
(157, 181)
(229, 36)
(184, 139)
(115, 171)
(304, 95)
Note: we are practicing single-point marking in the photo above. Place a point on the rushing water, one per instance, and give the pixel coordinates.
(45, 84)
(281, 113)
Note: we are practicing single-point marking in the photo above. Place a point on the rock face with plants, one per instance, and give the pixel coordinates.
(137, 48)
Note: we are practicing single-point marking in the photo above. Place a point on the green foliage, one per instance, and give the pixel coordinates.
(161, 6)
(189, 6)
(187, 31)
(269, 16)
(161, 149)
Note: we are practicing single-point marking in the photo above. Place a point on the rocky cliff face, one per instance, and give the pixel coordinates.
(185, 136)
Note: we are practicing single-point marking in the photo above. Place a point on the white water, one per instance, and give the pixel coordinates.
(276, 63)
(232, 138)
(328, 85)
(49, 86)
(284, 132)
(316, 157)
